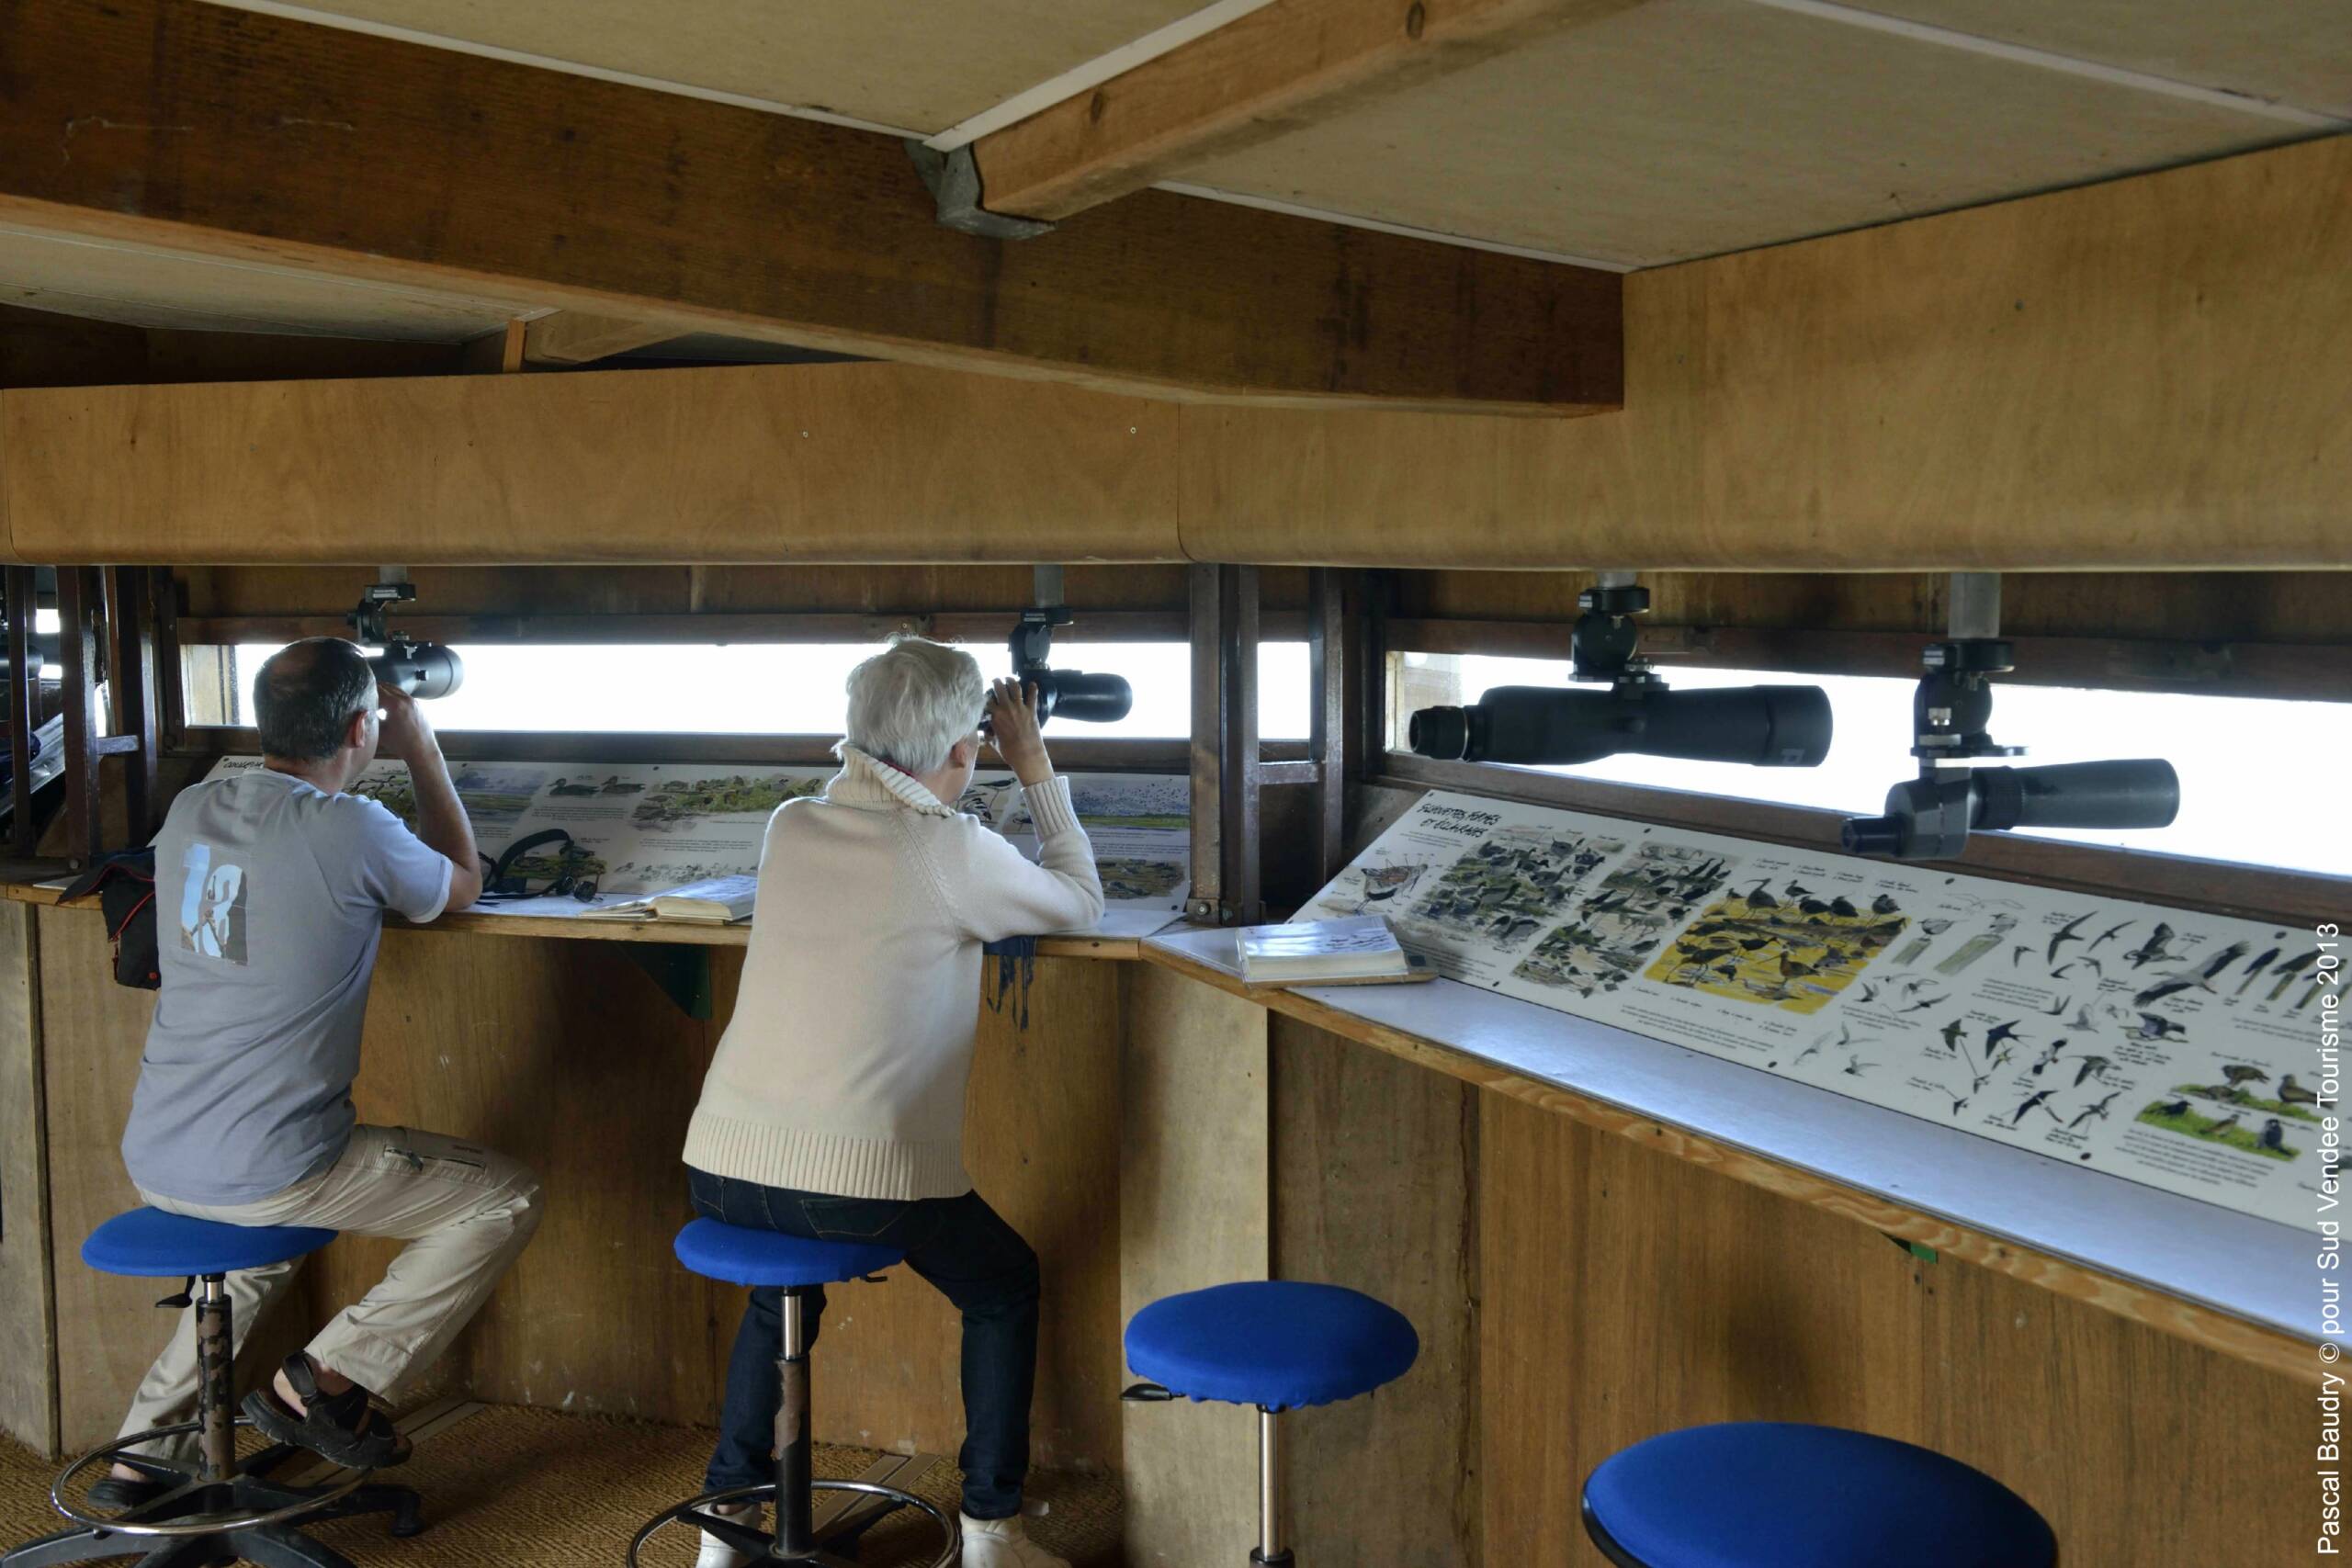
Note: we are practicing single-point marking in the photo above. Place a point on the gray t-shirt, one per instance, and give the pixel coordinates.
(269, 899)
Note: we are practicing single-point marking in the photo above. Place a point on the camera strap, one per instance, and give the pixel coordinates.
(501, 883)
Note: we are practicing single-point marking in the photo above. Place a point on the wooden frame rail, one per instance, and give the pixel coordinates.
(2308, 672)
(731, 626)
(1072, 752)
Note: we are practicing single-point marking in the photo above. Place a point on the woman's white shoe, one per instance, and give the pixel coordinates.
(717, 1553)
(1004, 1543)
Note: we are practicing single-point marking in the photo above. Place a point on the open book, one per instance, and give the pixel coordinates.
(1322, 952)
(715, 901)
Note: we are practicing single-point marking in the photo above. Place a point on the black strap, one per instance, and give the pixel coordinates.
(494, 890)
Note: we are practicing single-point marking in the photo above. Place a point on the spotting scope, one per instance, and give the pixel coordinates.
(1930, 817)
(1770, 727)
(1073, 694)
(420, 669)
(1766, 727)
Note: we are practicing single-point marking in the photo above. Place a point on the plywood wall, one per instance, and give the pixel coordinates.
(1193, 1213)
(567, 1055)
(28, 1329)
(1626, 1294)
(1375, 1187)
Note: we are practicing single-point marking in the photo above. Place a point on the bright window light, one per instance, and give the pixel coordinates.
(2251, 789)
(785, 688)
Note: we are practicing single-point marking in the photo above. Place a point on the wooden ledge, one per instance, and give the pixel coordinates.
(1553, 1061)
(677, 933)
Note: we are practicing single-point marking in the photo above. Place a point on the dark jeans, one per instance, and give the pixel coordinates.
(966, 1252)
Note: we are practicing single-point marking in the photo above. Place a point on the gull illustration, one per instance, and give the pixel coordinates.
(2087, 1112)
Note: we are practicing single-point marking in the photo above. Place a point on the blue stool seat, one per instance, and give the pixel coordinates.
(148, 1244)
(1282, 1344)
(741, 1255)
(1774, 1494)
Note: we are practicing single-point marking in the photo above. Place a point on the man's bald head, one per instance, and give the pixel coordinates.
(304, 697)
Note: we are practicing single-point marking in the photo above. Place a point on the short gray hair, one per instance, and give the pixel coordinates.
(910, 704)
(304, 697)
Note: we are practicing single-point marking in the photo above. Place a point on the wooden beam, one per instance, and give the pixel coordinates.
(837, 462)
(2144, 375)
(1287, 64)
(575, 337)
(494, 354)
(220, 132)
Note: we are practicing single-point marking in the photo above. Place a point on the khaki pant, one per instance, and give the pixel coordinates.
(465, 1212)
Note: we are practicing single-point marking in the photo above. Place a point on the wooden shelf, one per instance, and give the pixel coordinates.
(2230, 1281)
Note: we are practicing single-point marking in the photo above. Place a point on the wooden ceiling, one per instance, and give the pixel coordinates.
(1628, 132)
(1618, 134)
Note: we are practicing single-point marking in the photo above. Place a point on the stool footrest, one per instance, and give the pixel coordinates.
(693, 1512)
(294, 1504)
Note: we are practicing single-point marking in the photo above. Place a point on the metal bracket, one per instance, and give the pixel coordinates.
(954, 181)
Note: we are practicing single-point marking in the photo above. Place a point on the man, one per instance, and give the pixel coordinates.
(834, 1106)
(272, 887)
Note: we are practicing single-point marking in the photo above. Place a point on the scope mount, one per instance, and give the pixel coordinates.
(1954, 703)
(374, 602)
(1032, 644)
(1602, 644)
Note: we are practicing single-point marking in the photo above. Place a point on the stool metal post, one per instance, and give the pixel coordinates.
(1271, 1550)
(793, 1506)
(793, 1265)
(215, 1399)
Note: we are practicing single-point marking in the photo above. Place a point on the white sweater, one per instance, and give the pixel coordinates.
(842, 1070)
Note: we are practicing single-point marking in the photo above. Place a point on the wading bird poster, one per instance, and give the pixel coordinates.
(2166, 1046)
(641, 828)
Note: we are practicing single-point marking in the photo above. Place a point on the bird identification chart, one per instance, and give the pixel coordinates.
(641, 829)
(2156, 1044)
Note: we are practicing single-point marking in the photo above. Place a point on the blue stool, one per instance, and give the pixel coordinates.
(1774, 1495)
(220, 1510)
(1277, 1344)
(739, 1256)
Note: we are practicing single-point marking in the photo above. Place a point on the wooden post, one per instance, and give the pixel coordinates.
(171, 701)
(78, 593)
(1226, 762)
(1239, 762)
(1368, 652)
(131, 688)
(1328, 725)
(24, 707)
(1208, 725)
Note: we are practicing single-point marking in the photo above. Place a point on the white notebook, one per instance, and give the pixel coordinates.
(715, 901)
(1359, 947)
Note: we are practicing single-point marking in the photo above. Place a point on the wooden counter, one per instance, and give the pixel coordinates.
(680, 933)
(2242, 1285)
(1597, 1235)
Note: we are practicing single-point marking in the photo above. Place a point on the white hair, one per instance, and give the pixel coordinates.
(910, 704)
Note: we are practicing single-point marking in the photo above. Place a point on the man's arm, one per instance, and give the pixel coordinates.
(407, 735)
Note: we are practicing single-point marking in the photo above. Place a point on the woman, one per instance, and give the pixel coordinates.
(834, 1107)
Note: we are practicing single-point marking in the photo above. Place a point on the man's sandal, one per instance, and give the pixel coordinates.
(343, 1428)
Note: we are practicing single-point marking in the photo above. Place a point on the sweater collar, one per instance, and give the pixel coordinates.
(867, 780)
